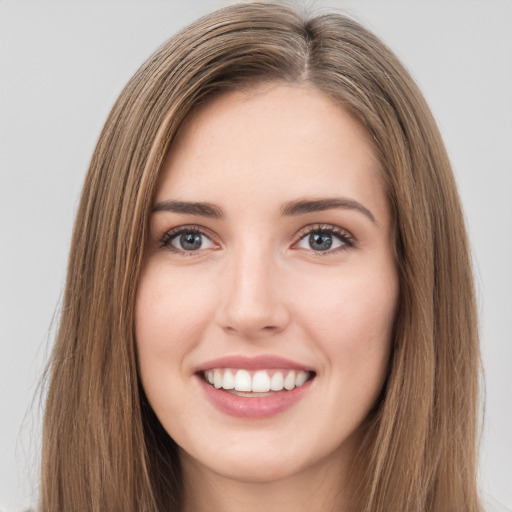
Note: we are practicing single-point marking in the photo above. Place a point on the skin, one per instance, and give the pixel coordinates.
(257, 287)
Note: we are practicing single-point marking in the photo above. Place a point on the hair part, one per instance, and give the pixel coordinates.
(103, 447)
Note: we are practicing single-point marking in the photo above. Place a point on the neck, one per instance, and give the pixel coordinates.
(321, 487)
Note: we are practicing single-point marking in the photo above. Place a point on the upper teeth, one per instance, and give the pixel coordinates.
(260, 381)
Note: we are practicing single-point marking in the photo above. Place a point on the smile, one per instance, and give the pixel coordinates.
(250, 382)
(254, 387)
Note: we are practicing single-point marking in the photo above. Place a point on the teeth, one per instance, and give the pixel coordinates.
(229, 380)
(243, 381)
(289, 381)
(277, 381)
(217, 378)
(301, 378)
(259, 382)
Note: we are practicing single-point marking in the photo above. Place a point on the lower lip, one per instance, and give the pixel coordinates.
(253, 407)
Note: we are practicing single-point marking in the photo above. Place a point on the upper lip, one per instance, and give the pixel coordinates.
(266, 361)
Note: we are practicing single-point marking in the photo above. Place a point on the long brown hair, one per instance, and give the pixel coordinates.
(103, 448)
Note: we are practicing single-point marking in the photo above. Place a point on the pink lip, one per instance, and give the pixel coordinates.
(252, 407)
(247, 407)
(264, 362)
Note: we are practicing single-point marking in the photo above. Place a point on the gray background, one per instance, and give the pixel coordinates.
(62, 65)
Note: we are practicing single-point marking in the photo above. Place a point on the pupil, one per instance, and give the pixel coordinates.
(190, 241)
(320, 242)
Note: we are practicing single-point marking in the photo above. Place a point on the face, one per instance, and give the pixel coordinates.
(265, 307)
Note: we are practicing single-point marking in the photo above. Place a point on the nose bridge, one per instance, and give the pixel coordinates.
(252, 303)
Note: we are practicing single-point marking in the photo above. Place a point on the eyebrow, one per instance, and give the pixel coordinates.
(303, 206)
(202, 209)
(292, 208)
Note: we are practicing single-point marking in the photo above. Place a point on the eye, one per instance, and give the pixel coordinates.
(187, 239)
(325, 239)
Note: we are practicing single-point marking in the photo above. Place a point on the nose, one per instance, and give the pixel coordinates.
(253, 301)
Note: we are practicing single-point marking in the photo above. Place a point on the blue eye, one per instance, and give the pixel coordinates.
(320, 241)
(325, 239)
(187, 240)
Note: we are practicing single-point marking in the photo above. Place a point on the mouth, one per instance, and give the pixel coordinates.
(256, 383)
(254, 388)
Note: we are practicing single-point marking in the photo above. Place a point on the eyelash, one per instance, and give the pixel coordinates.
(327, 229)
(322, 229)
(170, 235)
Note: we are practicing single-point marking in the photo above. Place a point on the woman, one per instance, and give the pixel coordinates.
(269, 302)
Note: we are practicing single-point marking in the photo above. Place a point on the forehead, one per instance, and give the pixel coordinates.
(276, 140)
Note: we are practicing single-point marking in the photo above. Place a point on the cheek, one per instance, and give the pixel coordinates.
(351, 318)
(169, 318)
(169, 313)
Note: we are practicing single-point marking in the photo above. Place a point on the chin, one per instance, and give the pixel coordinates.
(260, 462)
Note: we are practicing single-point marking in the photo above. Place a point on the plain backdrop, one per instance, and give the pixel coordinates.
(62, 64)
